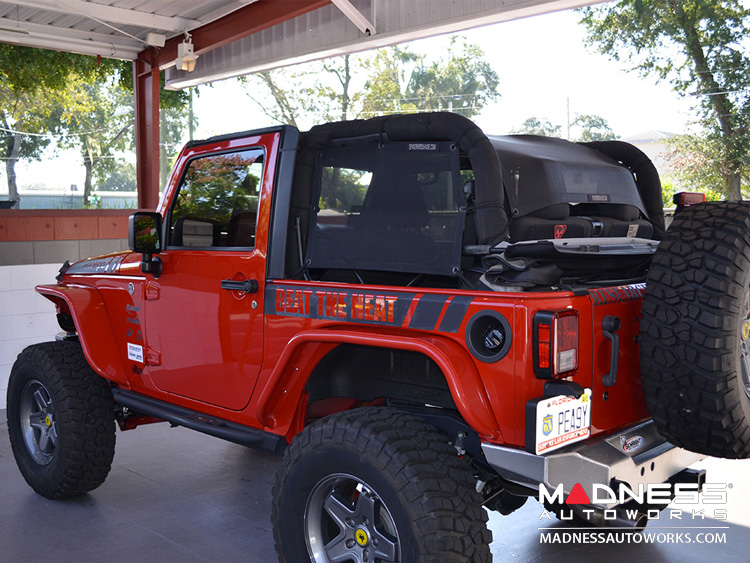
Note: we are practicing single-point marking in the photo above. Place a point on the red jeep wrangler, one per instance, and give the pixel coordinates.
(426, 321)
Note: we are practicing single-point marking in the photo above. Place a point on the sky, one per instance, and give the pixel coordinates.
(542, 63)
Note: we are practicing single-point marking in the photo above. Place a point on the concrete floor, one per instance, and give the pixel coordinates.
(178, 496)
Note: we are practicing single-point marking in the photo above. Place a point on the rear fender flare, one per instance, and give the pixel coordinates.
(91, 318)
(285, 385)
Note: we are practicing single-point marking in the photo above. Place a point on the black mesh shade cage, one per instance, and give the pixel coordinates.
(387, 206)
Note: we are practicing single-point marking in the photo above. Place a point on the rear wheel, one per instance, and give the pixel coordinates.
(695, 331)
(377, 485)
(60, 420)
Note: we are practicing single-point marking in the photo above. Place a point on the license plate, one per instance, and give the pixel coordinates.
(562, 420)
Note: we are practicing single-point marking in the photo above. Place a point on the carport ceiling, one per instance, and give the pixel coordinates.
(110, 28)
(234, 37)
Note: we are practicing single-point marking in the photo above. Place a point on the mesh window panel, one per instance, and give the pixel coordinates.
(393, 206)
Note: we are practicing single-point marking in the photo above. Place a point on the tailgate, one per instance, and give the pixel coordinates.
(622, 402)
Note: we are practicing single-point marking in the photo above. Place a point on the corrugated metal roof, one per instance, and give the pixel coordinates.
(110, 28)
(327, 32)
(118, 28)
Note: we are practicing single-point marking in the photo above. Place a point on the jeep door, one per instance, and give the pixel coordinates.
(204, 320)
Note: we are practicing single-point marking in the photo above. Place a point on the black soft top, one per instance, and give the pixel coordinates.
(491, 217)
(514, 175)
(543, 171)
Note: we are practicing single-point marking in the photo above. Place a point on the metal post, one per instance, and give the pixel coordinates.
(146, 86)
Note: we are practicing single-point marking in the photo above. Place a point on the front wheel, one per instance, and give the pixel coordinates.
(60, 420)
(377, 485)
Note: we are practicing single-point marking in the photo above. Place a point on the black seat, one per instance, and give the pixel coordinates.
(196, 231)
(241, 230)
(616, 220)
(396, 208)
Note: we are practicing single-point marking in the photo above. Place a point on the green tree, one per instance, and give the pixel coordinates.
(462, 81)
(286, 109)
(695, 163)
(38, 90)
(319, 91)
(121, 177)
(14, 145)
(214, 187)
(103, 130)
(592, 128)
(538, 126)
(82, 100)
(384, 91)
(701, 47)
(384, 81)
(172, 123)
(109, 126)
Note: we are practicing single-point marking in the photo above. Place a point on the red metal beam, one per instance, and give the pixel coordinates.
(146, 85)
(250, 19)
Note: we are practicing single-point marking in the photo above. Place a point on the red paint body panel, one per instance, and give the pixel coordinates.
(103, 343)
(247, 357)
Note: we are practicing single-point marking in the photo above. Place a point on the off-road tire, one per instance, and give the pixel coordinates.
(403, 464)
(60, 420)
(695, 345)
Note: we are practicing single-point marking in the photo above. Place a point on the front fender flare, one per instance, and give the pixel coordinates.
(94, 328)
(286, 383)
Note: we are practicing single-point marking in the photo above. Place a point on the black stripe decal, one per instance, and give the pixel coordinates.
(427, 312)
(455, 314)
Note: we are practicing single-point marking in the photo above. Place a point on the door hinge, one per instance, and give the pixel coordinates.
(151, 291)
(153, 357)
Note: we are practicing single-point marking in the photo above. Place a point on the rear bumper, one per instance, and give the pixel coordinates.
(596, 461)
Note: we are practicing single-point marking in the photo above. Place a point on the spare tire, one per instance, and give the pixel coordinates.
(695, 331)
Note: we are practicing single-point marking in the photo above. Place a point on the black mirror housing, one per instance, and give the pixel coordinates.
(144, 236)
(144, 232)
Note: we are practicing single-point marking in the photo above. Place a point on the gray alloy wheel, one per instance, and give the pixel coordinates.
(37, 420)
(745, 347)
(346, 520)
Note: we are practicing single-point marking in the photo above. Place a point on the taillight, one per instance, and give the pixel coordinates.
(555, 343)
(686, 199)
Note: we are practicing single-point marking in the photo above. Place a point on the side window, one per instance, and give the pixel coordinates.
(217, 202)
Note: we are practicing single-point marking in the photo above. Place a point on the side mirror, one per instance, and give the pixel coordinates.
(144, 236)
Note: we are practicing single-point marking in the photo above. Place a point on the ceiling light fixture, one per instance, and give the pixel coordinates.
(186, 56)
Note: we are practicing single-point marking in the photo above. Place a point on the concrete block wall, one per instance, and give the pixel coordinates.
(33, 246)
(25, 316)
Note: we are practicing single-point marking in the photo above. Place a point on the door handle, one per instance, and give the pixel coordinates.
(610, 326)
(246, 286)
